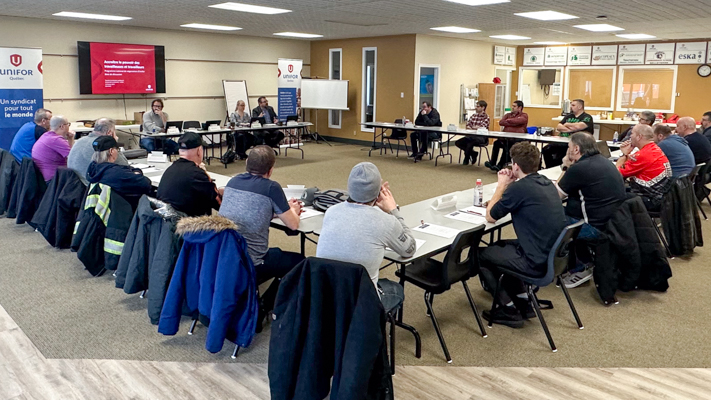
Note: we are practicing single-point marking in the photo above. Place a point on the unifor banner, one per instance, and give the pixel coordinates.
(289, 86)
(20, 89)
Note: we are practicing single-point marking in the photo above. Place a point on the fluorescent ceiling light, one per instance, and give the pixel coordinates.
(478, 2)
(455, 29)
(212, 27)
(599, 27)
(299, 35)
(546, 15)
(510, 37)
(549, 43)
(249, 8)
(635, 36)
(91, 16)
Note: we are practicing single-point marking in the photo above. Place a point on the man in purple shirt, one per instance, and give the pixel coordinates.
(51, 150)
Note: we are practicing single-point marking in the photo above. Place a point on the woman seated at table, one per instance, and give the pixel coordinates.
(243, 140)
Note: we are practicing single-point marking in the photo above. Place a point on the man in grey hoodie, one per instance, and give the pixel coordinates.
(80, 156)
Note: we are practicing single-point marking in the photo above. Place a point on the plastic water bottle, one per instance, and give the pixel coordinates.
(478, 193)
(404, 120)
(615, 137)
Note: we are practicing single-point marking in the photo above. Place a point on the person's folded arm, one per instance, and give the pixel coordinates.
(400, 237)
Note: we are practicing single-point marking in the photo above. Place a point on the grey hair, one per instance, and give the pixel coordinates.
(586, 143)
(41, 114)
(100, 157)
(649, 116)
(57, 121)
(103, 126)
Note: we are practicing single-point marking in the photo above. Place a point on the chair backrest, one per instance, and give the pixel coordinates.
(558, 256)
(703, 173)
(695, 171)
(455, 268)
(191, 125)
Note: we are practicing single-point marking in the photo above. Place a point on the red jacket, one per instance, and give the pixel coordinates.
(515, 122)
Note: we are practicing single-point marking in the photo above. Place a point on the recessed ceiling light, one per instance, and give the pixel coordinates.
(212, 27)
(549, 43)
(455, 29)
(546, 15)
(635, 36)
(299, 35)
(103, 17)
(510, 37)
(249, 8)
(478, 2)
(599, 27)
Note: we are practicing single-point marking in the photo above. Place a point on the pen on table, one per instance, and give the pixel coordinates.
(472, 212)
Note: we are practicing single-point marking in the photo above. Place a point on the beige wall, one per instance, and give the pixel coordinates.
(461, 61)
(196, 64)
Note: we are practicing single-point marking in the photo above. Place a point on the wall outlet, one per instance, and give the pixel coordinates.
(354, 133)
(402, 95)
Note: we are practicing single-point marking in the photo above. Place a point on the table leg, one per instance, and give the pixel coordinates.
(298, 142)
(375, 137)
(449, 139)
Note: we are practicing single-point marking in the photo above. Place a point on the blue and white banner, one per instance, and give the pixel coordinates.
(20, 89)
(289, 86)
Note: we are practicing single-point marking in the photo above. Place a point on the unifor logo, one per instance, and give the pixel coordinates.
(291, 68)
(16, 60)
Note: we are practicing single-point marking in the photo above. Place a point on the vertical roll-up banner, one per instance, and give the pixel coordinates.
(20, 89)
(289, 86)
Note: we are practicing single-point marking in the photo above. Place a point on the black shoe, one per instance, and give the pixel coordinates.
(525, 308)
(487, 164)
(474, 156)
(418, 157)
(260, 319)
(508, 316)
(496, 168)
(466, 160)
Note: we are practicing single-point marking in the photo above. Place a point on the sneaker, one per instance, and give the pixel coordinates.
(576, 279)
(487, 164)
(508, 316)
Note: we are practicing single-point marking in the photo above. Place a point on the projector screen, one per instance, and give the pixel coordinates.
(324, 94)
(115, 68)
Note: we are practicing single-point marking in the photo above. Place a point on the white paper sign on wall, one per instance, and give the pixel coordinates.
(690, 53)
(660, 53)
(579, 55)
(556, 55)
(604, 55)
(533, 56)
(630, 54)
(510, 56)
(499, 55)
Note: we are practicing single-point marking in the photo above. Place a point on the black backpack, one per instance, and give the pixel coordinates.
(228, 157)
(328, 198)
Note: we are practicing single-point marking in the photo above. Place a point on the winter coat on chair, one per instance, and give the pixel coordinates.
(150, 253)
(57, 212)
(9, 168)
(630, 255)
(27, 192)
(214, 276)
(328, 322)
(680, 218)
(101, 230)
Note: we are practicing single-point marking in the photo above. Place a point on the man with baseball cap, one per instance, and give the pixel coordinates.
(186, 185)
(358, 230)
(128, 182)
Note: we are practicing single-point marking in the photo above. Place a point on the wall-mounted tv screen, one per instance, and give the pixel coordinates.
(111, 68)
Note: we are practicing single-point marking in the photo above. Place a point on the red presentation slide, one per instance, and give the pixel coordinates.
(122, 68)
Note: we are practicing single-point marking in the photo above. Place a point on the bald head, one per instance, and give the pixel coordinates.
(194, 155)
(641, 135)
(685, 126)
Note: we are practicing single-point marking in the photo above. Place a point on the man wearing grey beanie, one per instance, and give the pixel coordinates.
(359, 229)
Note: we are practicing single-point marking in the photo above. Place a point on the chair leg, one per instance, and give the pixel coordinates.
(474, 309)
(428, 303)
(534, 300)
(391, 319)
(235, 351)
(192, 326)
(698, 204)
(570, 303)
(709, 200)
(662, 238)
(143, 294)
(495, 302)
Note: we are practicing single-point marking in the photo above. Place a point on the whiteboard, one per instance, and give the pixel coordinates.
(235, 90)
(324, 94)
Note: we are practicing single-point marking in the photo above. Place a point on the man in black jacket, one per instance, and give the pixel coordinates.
(270, 138)
(128, 182)
(429, 116)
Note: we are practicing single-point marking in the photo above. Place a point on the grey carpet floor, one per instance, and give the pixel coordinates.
(69, 314)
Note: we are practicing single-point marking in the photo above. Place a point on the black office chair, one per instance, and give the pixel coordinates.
(191, 125)
(481, 148)
(440, 141)
(557, 264)
(700, 182)
(436, 277)
(399, 135)
(696, 180)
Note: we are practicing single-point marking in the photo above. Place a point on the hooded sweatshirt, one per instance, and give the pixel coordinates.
(128, 182)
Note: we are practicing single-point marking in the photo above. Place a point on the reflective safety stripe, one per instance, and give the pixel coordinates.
(102, 207)
(113, 247)
(92, 199)
(76, 227)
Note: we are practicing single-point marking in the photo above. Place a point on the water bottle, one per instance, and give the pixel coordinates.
(478, 193)
(615, 137)
(404, 120)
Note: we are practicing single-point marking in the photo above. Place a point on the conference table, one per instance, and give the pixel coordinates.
(385, 126)
(80, 131)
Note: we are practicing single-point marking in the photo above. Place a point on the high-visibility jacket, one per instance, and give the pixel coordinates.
(101, 229)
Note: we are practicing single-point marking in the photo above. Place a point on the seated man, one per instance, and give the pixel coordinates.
(478, 120)
(699, 145)
(186, 185)
(648, 169)
(594, 190)
(538, 219)
(517, 122)
(29, 134)
(52, 149)
(83, 150)
(251, 200)
(127, 182)
(645, 118)
(706, 125)
(577, 121)
(373, 222)
(269, 137)
(155, 121)
(677, 150)
(428, 116)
